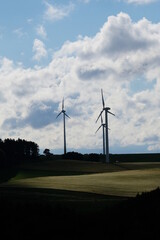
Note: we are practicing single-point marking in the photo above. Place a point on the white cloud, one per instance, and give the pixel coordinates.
(29, 20)
(41, 31)
(19, 32)
(139, 2)
(122, 54)
(54, 13)
(39, 50)
(85, 1)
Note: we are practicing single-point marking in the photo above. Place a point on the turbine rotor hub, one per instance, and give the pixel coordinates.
(106, 108)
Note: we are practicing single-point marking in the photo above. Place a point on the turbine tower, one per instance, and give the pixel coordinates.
(106, 110)
(103, 125)
(64, 124)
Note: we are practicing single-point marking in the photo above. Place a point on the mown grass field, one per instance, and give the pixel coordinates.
(122, 179)
(67, 199)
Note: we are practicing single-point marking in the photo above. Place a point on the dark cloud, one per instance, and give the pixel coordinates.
(121, 41)
(140, 122)
(23, 89)
(2, 98)
(12, 123)
(40, 115)
(75, 111)
(90, 73)
(153, 138)
(75, 95)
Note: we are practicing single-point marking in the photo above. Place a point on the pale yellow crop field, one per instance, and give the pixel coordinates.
(121, 183)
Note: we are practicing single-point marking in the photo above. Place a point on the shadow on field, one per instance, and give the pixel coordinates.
(7, 173)
(87, 217)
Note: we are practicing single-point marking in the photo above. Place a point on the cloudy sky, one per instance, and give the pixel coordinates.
(50, 49)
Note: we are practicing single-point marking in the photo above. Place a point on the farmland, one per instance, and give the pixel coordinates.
(77, 193)
(122, 179)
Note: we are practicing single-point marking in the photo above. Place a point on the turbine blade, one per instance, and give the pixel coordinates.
(67, 115)
(103, 103)
(98, 129)
(111, 113)
(59, 114)
(99, 116)
(101, 120)
(63, 104)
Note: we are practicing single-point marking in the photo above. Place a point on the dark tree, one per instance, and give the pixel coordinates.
(16, 151)
(46, 152)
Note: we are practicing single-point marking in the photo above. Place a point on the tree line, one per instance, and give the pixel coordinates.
(14, 151)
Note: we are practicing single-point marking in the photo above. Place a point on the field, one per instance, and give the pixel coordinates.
(73, 197)
(123, 179)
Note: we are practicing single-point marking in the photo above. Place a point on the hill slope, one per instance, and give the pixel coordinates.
(122, 183)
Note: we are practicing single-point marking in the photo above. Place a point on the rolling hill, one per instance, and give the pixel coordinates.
(125, 179)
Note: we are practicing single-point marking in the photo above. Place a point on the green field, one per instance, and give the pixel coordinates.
(122, 179)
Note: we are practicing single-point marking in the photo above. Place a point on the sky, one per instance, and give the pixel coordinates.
(55, 49)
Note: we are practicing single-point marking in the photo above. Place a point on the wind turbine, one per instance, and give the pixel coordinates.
(64, 124)
(103, 125)
(106, 109)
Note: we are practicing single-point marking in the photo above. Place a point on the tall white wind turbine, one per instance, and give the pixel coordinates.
(64, 124)
(106, 110)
